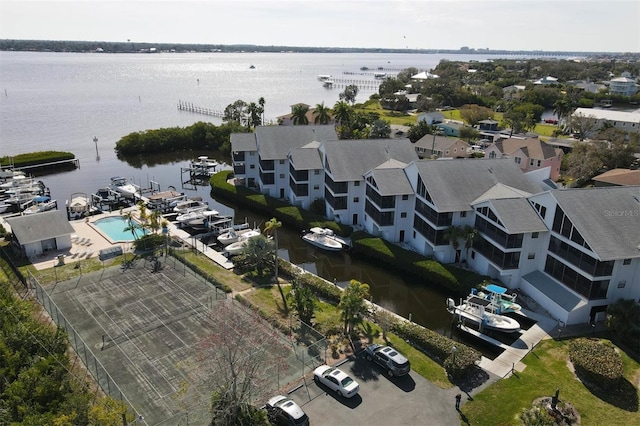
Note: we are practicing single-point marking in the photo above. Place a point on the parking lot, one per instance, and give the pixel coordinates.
(407, 400)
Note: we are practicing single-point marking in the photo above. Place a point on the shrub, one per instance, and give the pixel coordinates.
(440, 348)
(318, 286)
(596, 362)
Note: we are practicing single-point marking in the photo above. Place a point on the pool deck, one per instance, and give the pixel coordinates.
(87, 241)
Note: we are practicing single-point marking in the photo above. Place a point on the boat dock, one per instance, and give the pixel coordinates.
(189, 107)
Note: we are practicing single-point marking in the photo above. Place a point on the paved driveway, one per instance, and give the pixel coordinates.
(408, 400)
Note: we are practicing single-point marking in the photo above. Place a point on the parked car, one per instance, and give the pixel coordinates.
(284, 411)
(388, 358)
(336, 380)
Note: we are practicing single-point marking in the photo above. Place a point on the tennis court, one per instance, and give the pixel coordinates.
(144, 325)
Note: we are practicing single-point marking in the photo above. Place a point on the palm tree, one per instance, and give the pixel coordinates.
(299, 114)
(132, 225)
(342, 112)
(470, 234)
(322, 114)
(453, 235)
(562, 109)
(272, 226)
(261, 102)
(254, 113)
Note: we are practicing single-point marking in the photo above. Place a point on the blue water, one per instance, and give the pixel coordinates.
(114, 228)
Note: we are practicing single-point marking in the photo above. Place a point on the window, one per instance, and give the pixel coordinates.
(403, 215)
(356, 199)
(539, 163)
(405, 197)
(252, 153)
(531, 162)
(492, 154)
(622, 284)
(316, 172)
(252, 166)
(281, 175)
(463, 214)
(281, 161)
(531, 256)
(535, 235)
(626, 262)
(316, 186)
(356, 183)
(518, 160)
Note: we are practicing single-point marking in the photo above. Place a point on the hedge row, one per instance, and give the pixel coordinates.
(597, 362)
(268, 206)
(206, 275)
(445, 276)
(318, 286)
(458, 364)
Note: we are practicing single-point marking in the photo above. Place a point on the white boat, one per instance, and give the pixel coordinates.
(323, 238)
(232, 235)
(324, 77)
(328, 83)
(502, 301)
(79, 206)
(198, 218)
(237, 247)
(41, 204)
(125, 188)
(191, 205)
(203, 166)
(165, 200)
(480, 312)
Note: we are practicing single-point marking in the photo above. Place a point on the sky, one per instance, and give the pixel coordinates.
(560, 25)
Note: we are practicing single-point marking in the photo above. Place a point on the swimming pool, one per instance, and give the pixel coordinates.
(114, 229)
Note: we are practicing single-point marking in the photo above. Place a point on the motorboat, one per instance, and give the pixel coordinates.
(198, 218)
(232, 235)
(480, 311)
(125, 188)
(191, 205)
(203, 166)
(165, 200)
(41, 204)
(237, 247)
(323, 238)
(79, 206)
(502, 301)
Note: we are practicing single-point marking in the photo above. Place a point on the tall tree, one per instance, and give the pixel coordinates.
(321, 114)
(303, 301)
(380, 129)
(349, 94)
(261, 102)
(353, 306)
(254, 115)
(342, 113)
(299, 114)
(271, 227)
(470, 235)
(236, 111)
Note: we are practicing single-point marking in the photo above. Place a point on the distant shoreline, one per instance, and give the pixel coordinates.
(143, 47)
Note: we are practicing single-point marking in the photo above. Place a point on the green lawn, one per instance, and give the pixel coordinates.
(548, 370)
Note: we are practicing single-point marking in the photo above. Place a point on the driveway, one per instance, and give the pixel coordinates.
(408, 400)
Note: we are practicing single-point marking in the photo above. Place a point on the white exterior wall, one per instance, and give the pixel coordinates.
(252, 168)
(628, 273)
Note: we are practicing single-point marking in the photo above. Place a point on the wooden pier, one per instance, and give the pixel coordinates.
(189, 107)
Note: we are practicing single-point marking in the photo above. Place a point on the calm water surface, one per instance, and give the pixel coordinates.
(61, 101)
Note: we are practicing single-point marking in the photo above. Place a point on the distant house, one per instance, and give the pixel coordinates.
(431, 118)
(625, 85)
(622, 120)
(587, 86)
(530, 154)
(37, 233)
(488, 125)
(440, 147)
(512, 92)
(450, 128)
(546, 80)
(618, 177)
(425, 75)
(287, 119)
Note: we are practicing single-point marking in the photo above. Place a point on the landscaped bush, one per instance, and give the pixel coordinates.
(440, 348)
(150, 242)
(445, 276)
(318, 286)
(596, 362)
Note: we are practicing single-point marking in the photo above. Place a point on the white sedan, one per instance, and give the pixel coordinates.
(337, 380)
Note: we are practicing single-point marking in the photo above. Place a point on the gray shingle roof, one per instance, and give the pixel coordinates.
(517, 215)
(455, 184)
(349, 160)
(391, 179)
(243, 142)
(306, 159)
(608, 218)
(275, 142)
(558, 293)
(41, 226)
